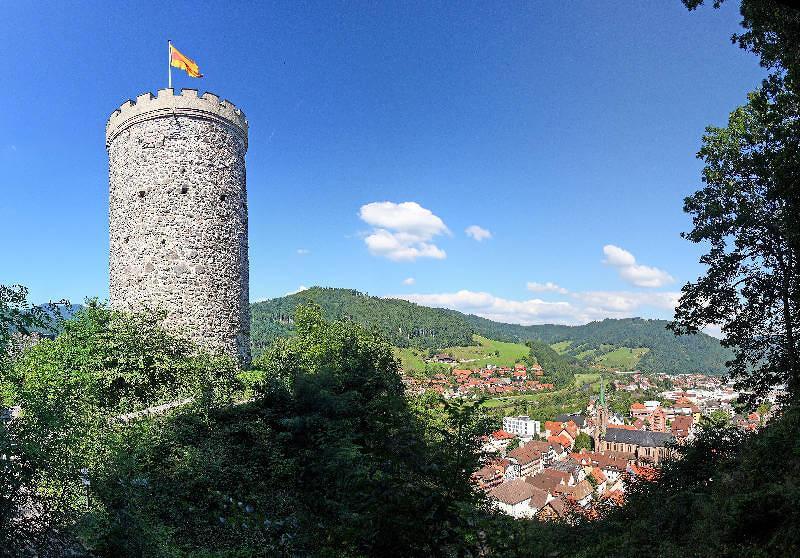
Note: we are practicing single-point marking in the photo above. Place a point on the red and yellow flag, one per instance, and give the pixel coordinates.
(179, 60)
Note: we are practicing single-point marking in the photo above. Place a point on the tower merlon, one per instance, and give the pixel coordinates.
(187, 103)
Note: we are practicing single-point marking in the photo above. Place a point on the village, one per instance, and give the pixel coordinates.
(557, 469)
(492, 380)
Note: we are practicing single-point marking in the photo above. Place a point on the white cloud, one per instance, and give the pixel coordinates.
(409, 281)
(635, 274)
(303, 251)
(582, 308)
(402, 231)
(478, 233)
(548, 287)
(299, 289)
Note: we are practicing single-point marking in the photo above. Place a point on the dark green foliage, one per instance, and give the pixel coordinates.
(402, 323)
(409, 325)
(559, 369)
(747, 214)
(326, 458)
(72, 391)
(583, 441)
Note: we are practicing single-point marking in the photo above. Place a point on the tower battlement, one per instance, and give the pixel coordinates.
(166, 103)
(178, 215)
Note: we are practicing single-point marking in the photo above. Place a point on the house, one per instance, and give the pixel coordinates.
(612, 464)
(577, 418)
(521, 426)
(443, 358)
(513, 498)
(649, 447)
(490, 475)
(498, 441)
(539, 499)
(548, 452)
(658, 421)
(652, 405)
(581, 493)
(525, 460)
(639, 411)
(559, 477)
(682, 426)
(599, 478)
(554, 510)
(570, 466)
(552, 483)
(563, 433)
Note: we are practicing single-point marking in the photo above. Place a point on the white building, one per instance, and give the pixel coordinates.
(513, 498)
(522, 426)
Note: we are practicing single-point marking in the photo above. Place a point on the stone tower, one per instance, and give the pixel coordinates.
(178, 215)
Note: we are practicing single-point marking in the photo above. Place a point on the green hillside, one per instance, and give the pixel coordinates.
(625, 343)
(480, 354)
(667, 352)
(403, 323)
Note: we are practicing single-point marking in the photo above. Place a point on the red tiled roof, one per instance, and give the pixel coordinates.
(598, 475)
(560, 439)
(538, 498)
(502, 435)
(525, 454)
(546, 482)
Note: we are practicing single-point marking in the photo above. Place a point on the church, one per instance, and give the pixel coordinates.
(649, 448)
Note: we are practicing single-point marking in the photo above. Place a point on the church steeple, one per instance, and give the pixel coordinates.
(600, 416)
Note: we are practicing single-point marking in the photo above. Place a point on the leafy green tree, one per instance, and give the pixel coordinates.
(752, 285)
(327, 458)
(747, 213)
(75, 392)
(583, 441)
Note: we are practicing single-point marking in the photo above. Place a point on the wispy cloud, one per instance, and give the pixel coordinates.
(632, 272)
(478, 233)
(299, 289)
(548, 287)
(580, 308)
(303, 251)
(402, 231)
(409, 281)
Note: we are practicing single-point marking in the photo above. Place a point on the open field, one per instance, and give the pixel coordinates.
(561, 347)
(581, 379)
(484, 352)
(412, 360)
(624, 358)
(547, 404)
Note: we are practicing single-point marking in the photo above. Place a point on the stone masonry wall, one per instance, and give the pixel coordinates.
(178, 215)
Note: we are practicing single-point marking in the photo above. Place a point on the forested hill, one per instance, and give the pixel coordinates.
(406, 324)
(403, 323)
(667, 352)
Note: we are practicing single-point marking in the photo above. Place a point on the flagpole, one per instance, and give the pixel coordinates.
(169, 62)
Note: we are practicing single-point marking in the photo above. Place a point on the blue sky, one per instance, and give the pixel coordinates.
(380, 132)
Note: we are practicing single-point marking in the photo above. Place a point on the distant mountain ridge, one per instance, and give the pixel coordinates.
(406, 324)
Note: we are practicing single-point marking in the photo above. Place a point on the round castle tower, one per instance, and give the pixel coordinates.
(178, 215)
